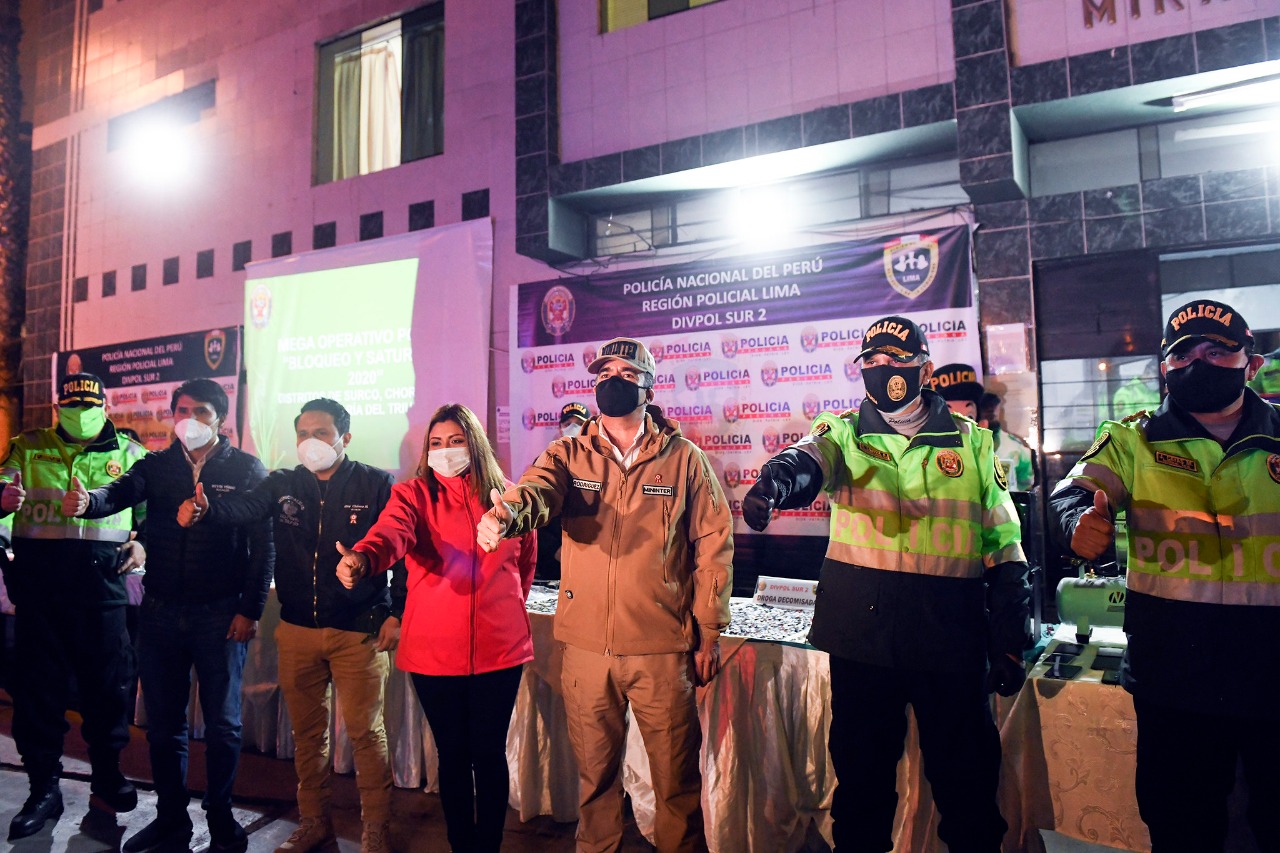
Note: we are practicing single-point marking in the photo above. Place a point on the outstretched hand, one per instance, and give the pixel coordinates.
(75, 502)
(494, 523)
(1095, 530)
(353, 566)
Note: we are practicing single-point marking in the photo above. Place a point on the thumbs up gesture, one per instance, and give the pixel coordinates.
(76, 501)
(352, 567)
(193, 509)
(13, 496)
(494, 523)
(1094, 530)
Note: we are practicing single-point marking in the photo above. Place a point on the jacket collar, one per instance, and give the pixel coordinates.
(939, 430)
(652, 440)
(1259, 428)
(336, 480)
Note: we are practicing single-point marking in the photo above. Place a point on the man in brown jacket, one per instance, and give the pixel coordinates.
(646, 572)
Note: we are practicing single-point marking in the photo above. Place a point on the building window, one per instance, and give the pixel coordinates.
(620, 14)
(381, 100)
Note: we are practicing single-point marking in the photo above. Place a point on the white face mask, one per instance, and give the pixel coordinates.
(316, 455)
(571, 430)
(193, 434)
(449, 461)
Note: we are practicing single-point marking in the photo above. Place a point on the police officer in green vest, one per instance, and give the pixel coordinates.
(67, 583)
(922, 599)
(1200, 481)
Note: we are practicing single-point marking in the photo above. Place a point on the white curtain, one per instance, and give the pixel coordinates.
(380, 106)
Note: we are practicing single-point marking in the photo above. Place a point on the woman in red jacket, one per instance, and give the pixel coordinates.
(465, 636)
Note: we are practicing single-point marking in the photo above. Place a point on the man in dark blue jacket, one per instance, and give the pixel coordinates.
(205, 590)
(327, 633)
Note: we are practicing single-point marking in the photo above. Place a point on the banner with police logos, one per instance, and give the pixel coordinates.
(140, 376)
(749, 350)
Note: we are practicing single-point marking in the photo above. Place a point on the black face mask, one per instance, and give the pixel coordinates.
(1201, 387)
(891, 388)
(617, 397)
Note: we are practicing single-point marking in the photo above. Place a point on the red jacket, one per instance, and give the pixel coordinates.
(465, 609)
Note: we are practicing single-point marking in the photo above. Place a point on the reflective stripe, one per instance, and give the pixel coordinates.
(1001, 514)
(1205, 591)
(71, 531)
(905, 562)
(873, 500)
(54, 495)
(809, 444)
(1149, 519)
(1011, 553)
(1093, 476)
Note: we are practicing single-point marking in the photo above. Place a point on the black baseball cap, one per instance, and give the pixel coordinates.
(897, 336)
(573, 411)
(81, 389)
(957, 382)
(1205, 319)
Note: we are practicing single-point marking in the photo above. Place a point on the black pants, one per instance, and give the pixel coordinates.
(469, 717)
(1187, 768)
(958, 739)
(52, 643)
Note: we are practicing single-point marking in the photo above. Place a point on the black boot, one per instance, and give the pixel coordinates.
(166, 832)
(112, 792)
(44, 804)
(225, 834)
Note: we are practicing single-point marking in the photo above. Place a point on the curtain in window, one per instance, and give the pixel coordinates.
(423, 92)
(380, 106)
(346, 115)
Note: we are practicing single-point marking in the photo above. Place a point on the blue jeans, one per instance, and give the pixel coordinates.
(172, 639)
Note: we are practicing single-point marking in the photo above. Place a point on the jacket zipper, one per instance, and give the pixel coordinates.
(315, 570)
(613, 564)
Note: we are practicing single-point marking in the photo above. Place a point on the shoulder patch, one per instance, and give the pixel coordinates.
(820, 429)
(846, 413)
(1136, 416)
(1096, 448)
(1002, 479)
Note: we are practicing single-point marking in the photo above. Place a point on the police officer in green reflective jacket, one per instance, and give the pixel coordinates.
(1200, 481)
(68, 589)
(922, 600)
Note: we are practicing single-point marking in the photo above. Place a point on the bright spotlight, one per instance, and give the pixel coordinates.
(762, 215)
(158, 153)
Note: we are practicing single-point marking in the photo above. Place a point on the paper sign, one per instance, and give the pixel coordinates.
(787, 593)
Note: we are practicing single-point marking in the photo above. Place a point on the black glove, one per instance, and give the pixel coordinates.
(757, 506)
(1005, 675)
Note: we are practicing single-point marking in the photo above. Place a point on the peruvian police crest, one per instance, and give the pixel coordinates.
(558, 310)
(215, 344)
(1273, 466)
(949, 463)
(911, 263)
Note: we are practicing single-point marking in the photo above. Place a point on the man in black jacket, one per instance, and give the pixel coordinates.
(205, 590)
(327, 634)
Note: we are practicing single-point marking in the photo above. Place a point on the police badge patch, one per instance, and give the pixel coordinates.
(1273, 466)
(1002, 478)
(1096, 448)
(949, 463)
(113, 468)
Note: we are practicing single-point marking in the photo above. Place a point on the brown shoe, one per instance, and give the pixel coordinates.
(312, 834)
(376, 838)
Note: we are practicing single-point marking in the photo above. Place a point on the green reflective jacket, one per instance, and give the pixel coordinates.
(47, 461)
(916, 523)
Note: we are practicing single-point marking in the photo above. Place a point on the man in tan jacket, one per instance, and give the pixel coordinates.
(646, 572)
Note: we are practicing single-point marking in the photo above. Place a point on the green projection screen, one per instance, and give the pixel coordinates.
(375, 327)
